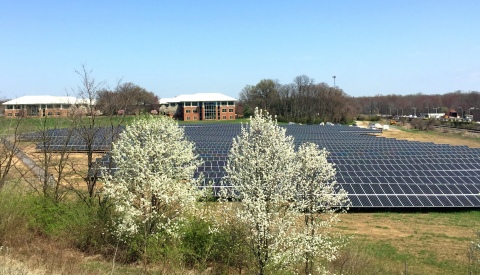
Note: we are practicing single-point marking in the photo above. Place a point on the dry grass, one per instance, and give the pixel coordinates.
(432, 242)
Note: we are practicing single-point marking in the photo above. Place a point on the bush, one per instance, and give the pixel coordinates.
(72, 222)
(223, 249)
(13, 221)
(368, 118)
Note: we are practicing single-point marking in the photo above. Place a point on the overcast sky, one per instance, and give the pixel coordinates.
(180, 47)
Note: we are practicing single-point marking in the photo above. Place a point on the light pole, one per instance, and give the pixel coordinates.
(334, 81)
(462, 110)
(414, 111)
(436, 109)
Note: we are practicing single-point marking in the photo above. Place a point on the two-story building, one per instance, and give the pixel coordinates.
(200, 106)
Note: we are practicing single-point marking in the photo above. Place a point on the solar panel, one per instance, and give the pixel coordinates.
(376, 172)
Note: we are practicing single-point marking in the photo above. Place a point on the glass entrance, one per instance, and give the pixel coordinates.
(210, 110)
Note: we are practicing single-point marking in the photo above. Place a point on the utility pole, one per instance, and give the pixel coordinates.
(334, 86)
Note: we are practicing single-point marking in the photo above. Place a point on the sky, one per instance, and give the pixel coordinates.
(184, 47)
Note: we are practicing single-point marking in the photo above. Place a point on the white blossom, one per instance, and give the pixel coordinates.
(276, 187)
(154, 183)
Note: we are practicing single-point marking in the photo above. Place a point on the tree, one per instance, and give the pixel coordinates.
(130, 98)
(9, 142)
(87, 128)
(276, 186)
(52, 160)
(318, 198)
(259, 167)
(154, 185)
(301, 101)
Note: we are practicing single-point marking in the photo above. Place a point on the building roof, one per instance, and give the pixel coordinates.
(45, 99)
(198, 97)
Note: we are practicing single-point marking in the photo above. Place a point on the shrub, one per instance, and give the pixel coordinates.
(224, 248)
(71, 222)
(13, 221)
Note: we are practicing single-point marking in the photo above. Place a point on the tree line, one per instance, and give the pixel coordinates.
(415, 104)
(302, 101)
(126, 98)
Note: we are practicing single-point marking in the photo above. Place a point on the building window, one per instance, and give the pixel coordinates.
(188, 103)
(195, 111)
(231, 117)
(187, 111)
(209, 108)
(230, 110)
(17, 114)
(49, 106)
(9, 114)
(58, 113)
(224, 117)
(224, 110)
(230, 103)
(195, 118)
(188, 118)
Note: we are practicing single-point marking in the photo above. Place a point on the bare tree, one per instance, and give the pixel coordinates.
(52, 159)
(87, 127)
(9, 142)
(92, 132)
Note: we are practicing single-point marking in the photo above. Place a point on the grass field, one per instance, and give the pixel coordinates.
(427, 243)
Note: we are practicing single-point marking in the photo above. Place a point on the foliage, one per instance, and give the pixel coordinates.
(276, 186)
(318, 198)
(154, 186)
(203, 245)
(302, 101)
(71, 222)
(130, 98)
(422, 124)
(414, 104)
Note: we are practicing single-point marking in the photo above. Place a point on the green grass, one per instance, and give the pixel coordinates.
(429, 243)
(32, 124)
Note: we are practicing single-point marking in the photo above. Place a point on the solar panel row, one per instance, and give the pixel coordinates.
(98, 139)
(376, 172)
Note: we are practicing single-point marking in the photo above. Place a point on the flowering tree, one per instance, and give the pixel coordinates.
(154, 183)
(318, 198)
(276, 187)
(259, 167)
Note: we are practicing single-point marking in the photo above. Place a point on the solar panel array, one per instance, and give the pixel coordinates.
(100, 139)
(377, 172)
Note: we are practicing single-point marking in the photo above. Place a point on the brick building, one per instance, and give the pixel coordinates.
(39, 106)
(200, 106)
